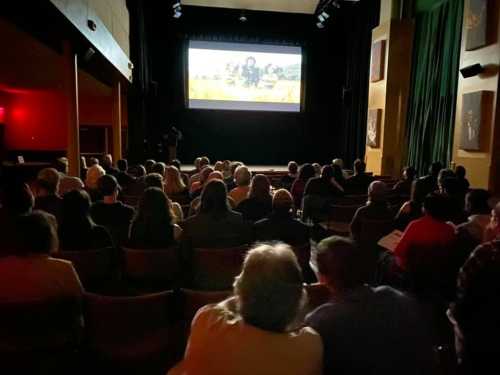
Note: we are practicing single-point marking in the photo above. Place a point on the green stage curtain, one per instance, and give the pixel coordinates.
(431, 112)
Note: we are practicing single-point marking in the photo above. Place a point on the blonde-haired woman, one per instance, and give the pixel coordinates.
(254, 331)
(174, 186)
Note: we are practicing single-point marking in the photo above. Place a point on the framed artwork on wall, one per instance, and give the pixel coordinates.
(373, 128)
(378, 61)
(476, 24)
(475, 118)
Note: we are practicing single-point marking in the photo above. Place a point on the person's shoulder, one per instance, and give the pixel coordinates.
(320, 315)
(390, 292)
(60, 264)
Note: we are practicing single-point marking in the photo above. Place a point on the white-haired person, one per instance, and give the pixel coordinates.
(255, 331)
(46, 192)
(94, 173)
(242, 178)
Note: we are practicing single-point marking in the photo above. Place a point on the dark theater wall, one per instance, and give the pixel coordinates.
(317, 134)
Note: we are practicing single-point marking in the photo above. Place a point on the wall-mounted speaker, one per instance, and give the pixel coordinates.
(472, 70)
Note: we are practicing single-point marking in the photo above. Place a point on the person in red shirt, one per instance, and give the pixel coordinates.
(426, 253)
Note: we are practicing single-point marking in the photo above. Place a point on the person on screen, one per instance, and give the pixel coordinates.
(250, 72)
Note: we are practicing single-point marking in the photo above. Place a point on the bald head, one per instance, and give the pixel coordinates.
(377, 191)
(216, 175)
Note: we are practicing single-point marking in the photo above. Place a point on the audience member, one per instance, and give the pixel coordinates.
(366, 330)
(475, 313)
(425, 251)
(255, 331)
(427, 184)
(456, 200)
(340, 164)
(31, 274)
(359, 182)
(318, 195)
(149, 165)
(219, 166)
(339, 176)
(66, 183)
(281, 225)
(107, 164)
(153, 225)
(156, 180)
(229, 179)
(47, 199)
(492, 231)
(92, 161)
(174, 184)
(77, 231)
(242, 178)
(287, 181)
(110, 212)
(258, 205)
(159, 168)
(203, 163)
(198, 186)
(177, 164)
(374, 220)
(317, 169)
(306, 172)
(216, 225)
(463, 183)
(122, 176)
(94, 173)
(471, 233)
(16, 200)
(404, 186)
(409, 211)
(194, 207)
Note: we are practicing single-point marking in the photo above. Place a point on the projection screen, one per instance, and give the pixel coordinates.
(240, 76)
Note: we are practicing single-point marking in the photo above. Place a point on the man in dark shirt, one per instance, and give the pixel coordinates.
(287, 181)
(319, 192)
(46, 195)
(366, 330)
(123, 178)
(111, 213)
(404, 186)
(281, 225)
(427, 184)
(359, 182)
(107, 164)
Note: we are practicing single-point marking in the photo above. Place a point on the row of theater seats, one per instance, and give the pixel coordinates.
(149, 270)
(140, 334)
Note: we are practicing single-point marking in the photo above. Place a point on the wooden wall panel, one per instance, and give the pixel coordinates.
(483, 167)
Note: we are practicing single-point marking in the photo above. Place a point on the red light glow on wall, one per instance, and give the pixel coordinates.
(2, 115)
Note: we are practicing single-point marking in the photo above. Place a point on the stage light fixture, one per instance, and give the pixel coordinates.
(176, 6)
(320, 25)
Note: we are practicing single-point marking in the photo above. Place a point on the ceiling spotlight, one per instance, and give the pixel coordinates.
(177, 9)
(336, 4)
(243, 16)
(320, 25)
(177, 13)
(177, 4)
(323, 16)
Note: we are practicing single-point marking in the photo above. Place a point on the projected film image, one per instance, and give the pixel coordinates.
(245, 79)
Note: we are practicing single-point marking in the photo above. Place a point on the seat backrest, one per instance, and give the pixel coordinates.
(317, 295)
(342, 213)
(90, 265)
(39, 325)
(215, 269)
(127, 326)
(151, 265)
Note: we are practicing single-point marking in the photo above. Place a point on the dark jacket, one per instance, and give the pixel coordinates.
(206, 231)
(282, 227)
(115, 217)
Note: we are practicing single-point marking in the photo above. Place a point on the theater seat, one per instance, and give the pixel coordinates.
(93, 266)
(32, 331)
(189, 302)
(215, 269)
(130, 332)
(339, 219)
(152, 269)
